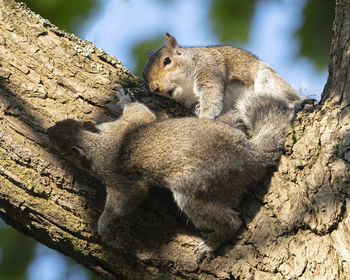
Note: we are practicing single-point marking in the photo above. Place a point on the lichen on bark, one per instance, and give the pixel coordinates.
(297, 223)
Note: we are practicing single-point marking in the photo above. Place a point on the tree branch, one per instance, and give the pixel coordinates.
(338, 80)
(296, 225)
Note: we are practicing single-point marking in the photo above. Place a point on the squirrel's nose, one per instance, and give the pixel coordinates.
(154, 86)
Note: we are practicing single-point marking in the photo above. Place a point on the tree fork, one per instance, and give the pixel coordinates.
(297, 227)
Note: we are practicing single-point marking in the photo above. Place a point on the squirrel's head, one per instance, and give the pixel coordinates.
(165, 68)
(66, 136)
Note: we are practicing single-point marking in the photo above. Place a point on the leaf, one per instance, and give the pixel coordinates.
(230, 20)
(316, 32)
(66, 14)
(139, 52)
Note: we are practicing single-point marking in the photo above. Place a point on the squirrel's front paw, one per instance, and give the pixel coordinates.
(123, 97)
(102, 224)
(101, 229)
(203, 251)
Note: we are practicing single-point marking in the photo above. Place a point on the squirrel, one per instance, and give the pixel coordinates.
(206, 164)
(211, 78)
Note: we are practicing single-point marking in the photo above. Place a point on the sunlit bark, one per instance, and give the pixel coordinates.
(297, 227)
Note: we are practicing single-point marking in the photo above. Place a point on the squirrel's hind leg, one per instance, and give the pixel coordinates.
(122, 198)
(224, 222)
(212, 215)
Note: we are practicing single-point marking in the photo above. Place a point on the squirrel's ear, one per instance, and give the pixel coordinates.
(89, 125)
(149, 53)
(170, 42)
(78, 151)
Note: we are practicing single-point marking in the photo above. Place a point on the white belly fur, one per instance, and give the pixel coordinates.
(232, 93)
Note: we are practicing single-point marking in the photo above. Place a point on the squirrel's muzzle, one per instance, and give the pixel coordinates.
(155, 87)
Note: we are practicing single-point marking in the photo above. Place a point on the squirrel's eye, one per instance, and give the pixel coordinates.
(166, 60)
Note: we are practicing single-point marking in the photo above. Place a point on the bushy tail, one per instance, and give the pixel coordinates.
(268, 117)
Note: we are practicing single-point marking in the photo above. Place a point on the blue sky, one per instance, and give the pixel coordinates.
(50, 265)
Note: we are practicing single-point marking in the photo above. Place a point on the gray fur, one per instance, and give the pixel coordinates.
(214, 76)
(207, 165)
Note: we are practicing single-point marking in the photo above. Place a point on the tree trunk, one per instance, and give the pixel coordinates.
(297, 227)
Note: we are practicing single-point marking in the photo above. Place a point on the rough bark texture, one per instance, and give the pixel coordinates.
(297, 227)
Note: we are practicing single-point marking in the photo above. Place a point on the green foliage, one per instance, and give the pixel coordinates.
(17, 252)
(316, 31)
(230, 20)
(66, 14)
(139, 52)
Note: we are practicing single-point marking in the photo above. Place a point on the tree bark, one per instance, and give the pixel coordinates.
(297, 226)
